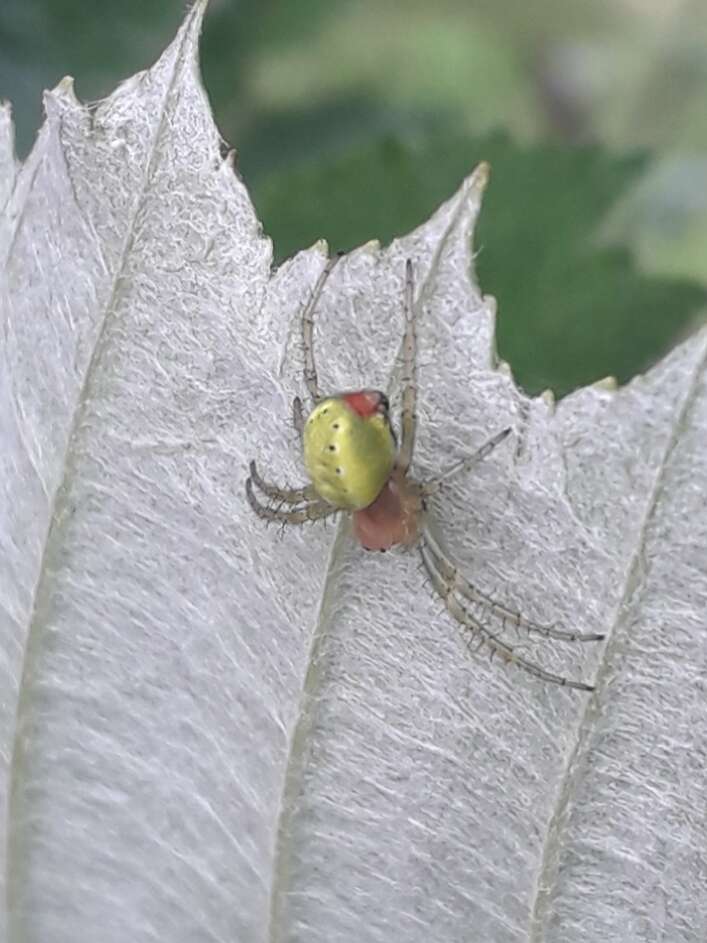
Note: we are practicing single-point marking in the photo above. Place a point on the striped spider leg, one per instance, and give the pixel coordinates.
(457, 592)
(295, 505)
(459, 595)
(311, 379)
(355, 465)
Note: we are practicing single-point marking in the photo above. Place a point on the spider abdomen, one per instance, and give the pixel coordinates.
(349, 450)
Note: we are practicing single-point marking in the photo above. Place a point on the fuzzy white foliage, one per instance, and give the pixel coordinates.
(209, 732)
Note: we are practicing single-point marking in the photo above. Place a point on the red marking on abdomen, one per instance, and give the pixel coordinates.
(363, 402)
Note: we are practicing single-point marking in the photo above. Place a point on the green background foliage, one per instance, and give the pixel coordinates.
(354, 120)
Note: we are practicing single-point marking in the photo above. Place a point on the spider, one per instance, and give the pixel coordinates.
(355, 465)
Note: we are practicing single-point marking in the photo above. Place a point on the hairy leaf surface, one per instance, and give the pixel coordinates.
(213, 731)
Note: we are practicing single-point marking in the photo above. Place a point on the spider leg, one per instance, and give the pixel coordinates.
(443, 581)
(298, 416)
(314, 511)
(285, 495)
(408, 416)
(462, 466)
(290, 496)
(465, 589)
(310, 367)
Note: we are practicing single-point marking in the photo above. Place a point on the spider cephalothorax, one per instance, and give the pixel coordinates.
(355, 465)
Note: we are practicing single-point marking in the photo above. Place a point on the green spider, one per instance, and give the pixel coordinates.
(355, 465)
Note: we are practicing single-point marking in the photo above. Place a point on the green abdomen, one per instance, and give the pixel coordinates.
(348, 458)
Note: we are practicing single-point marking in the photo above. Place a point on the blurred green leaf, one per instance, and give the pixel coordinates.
(570, 310)
(322, 131)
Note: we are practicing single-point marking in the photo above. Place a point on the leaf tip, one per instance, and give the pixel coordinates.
(61, 95)
(480, 176)
(474, 185)
(7, 141)
(195, 14)
(195, 19)
(65, 86)
(470, 196)
(187, 37)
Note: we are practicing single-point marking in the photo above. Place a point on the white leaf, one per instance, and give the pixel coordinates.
(210, 731)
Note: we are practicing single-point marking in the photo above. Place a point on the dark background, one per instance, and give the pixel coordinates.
(353, 120)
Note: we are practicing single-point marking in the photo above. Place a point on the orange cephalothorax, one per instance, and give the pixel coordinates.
(393, 518)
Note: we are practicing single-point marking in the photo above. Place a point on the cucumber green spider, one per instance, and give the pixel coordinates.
(355, 465)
